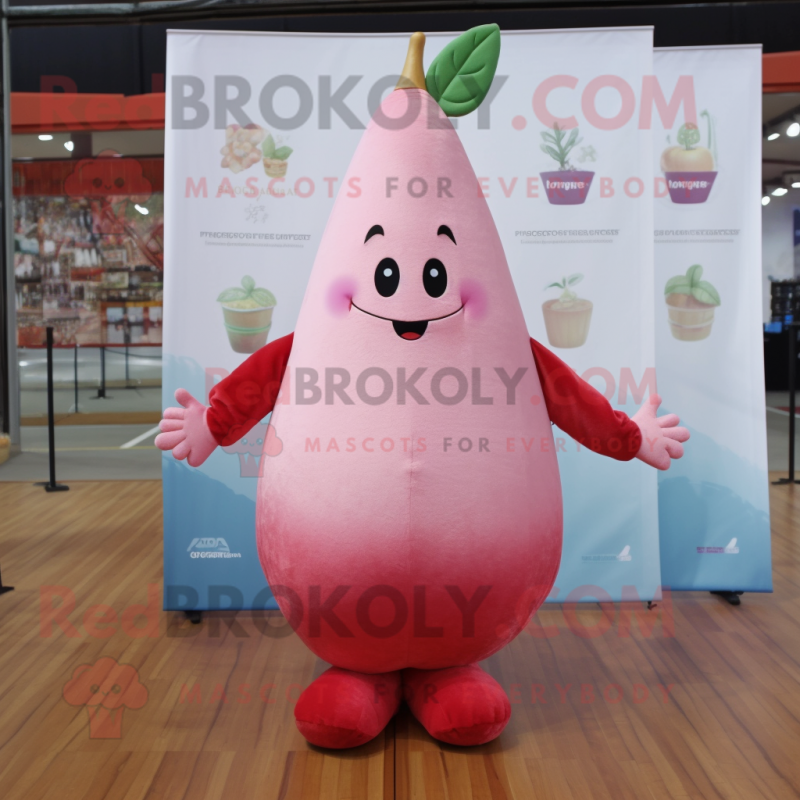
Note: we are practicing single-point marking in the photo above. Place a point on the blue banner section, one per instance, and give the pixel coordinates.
(210, 555)
(610, 548)
(714, 521)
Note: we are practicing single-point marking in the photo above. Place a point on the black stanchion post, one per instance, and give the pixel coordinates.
(51, 485)
(4, 589)
(76, 377)
(101, 392)
(793, 326)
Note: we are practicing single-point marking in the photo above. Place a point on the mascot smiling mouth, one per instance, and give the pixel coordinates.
(410, 330)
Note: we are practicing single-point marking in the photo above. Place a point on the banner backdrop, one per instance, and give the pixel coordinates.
(713, 505)
(581, 257)
(260, 129)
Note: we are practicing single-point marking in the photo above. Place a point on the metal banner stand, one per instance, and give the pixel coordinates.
(4, 589)
(51, 485)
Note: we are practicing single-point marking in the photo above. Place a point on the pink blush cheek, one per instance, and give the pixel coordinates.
(339, 296)
(474, 299)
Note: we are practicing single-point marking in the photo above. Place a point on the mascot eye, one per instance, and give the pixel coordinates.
(387, 277)
(119, 182)
(97, 183)
(116, 688)
(94, 688)
(434, 277)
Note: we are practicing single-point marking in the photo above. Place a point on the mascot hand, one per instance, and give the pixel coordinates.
(185, 431)
(661, 436)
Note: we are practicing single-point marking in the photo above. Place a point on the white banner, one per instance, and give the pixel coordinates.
(596, 230)
(245, 207)
(714, 505)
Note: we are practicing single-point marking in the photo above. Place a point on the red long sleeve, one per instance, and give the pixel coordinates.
(582, 412)
(248, 394)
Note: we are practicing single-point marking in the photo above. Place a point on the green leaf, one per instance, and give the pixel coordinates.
(571, 142)
(263, 297)
(549, 137)
(551, 152)
(576, 277)
(680, 284)
(557, 285)
(231, 294)
(460, 76)
(268, 147)
(694, 273)
(248, 283)
(282, 153)
(706, 293)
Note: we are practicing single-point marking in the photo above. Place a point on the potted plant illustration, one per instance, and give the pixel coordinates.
(689, 167)
(690, 304)
(247, 312)
(565, 186)
(241, 150)
(275, 157)
(567, 318)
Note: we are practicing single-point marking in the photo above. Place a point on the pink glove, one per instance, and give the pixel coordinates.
(661, 438)
(185, 431)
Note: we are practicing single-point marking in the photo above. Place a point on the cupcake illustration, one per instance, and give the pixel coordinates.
(567, 317)
(565, 186)
(688, 167)
(247, 312)
(275, 157)
(690, 305)
(241, 149)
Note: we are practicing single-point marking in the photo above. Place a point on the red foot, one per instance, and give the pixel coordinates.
(346, 709)
(457, 705)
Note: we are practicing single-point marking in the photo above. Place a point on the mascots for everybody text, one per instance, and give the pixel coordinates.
(401, 554)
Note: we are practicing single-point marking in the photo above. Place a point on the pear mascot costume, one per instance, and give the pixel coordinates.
(403, 537)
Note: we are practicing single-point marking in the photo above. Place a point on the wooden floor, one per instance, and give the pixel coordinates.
(729, 728)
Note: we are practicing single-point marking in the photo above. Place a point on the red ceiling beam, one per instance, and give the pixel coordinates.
(781, 72)
(42, 112)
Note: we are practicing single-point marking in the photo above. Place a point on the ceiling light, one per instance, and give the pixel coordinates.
(45, 137)
(793, 129)
(779, 191)
(70, 145)
(773, 136)
(141, 209)
(765, 200)
(796, 185)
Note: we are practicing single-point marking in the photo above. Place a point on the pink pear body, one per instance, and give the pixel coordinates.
(381, 518)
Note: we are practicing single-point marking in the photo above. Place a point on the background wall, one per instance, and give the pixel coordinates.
(130, 58)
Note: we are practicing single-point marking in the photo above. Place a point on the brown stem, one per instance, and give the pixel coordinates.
(413, 74)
